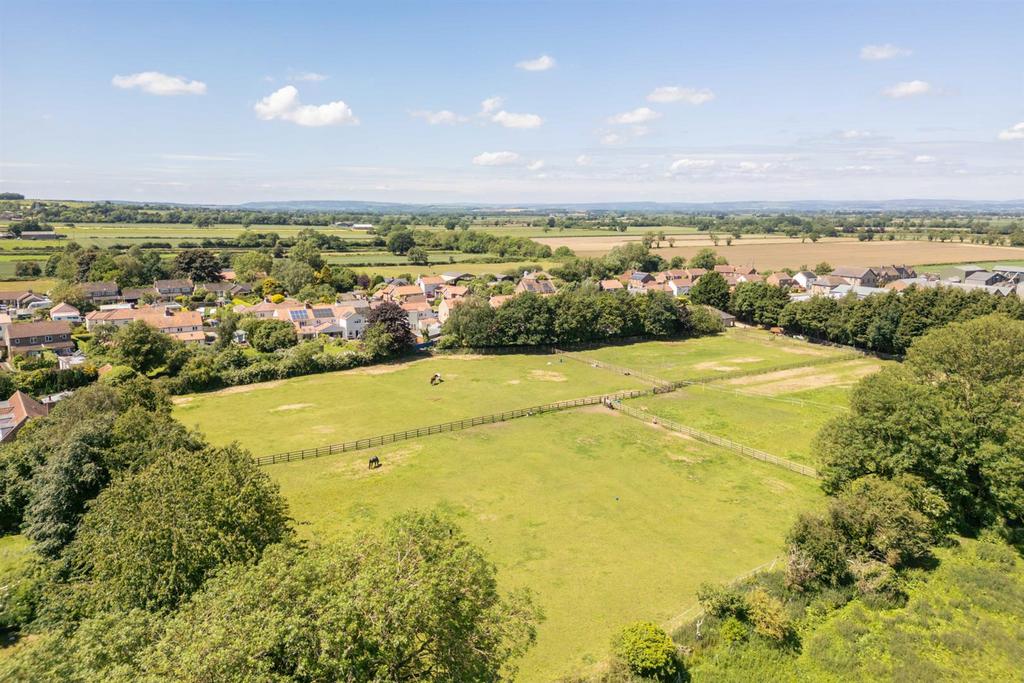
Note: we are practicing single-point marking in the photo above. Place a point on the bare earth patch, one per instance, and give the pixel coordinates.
(546, 376)
(512, 381)
(291, 406)
(799, 379)
(246, 388)
(181, 400)
(715, 365)
(776, 485)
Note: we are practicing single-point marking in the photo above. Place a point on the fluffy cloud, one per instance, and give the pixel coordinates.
(491, 105)
(855, 134)
(924, 159)
(672, 93)
(584, 160)
(1013, 132)
(874, 53)
(440, 118)
(496, 159)
(908, 89)
(638, 115)
(284, 104)
(156, 83)
(311, 76)
(542, 63)
(612, 139)
(683, 165)
(536, 165)
(510, 120)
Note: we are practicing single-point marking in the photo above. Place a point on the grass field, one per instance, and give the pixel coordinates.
(40, 285)
(607, 520)
(737, 350)
(341, 406)
(438, 268)
(778, 412)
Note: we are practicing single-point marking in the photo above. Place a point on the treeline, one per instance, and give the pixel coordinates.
(572, 316)
(889, 323)
(930, 447)
(157, 556)
(403, 241)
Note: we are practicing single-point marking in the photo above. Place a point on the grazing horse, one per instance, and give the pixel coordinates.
(374, 462)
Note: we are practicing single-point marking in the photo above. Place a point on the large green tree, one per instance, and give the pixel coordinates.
(711, 290)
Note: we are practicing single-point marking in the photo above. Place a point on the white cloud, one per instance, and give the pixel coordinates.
(924, 159)
(874, 53)
(612, 139)
(542, 63)
(855, 134)
(908, 89)
(1013, 132)
(638, 115)
(284, 104)
(202, 157)
(440, 118)
(584, 160)
(311, 76)
(496, 158)
(156, 83)
(753, 166)
(536, 165)
(510, 120)
(680, 165)
(672, 93)
(863, 168)
(491, 105)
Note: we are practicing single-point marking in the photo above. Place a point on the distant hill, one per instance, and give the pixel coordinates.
(804, 206)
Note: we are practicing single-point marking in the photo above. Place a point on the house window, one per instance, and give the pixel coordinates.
(49, 339)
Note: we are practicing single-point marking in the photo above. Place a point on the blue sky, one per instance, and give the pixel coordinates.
(512, 101)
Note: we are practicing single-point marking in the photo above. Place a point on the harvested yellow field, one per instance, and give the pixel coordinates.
(769, 253)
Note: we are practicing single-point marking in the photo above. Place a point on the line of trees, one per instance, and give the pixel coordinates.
(575, 314)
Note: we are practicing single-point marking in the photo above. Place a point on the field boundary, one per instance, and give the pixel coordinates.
(754, 453)
(453, 426)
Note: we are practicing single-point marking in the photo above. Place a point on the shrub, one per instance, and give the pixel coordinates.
(647, 650)
(705, 322)
(721, 601)
(768, 615)
(733, 631)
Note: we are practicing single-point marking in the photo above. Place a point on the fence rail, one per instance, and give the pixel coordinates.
(453, 426)
(716, 440)
(660, 385)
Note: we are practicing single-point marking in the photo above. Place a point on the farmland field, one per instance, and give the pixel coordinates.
(341, 406)
(779, 412)
(606, 519)
(738, 350)
(781, 252)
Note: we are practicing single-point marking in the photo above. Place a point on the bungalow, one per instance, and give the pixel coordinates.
(824, 284)
(10, 301)
(984, 277)
(266, 309)
(610, 285)
(727, 319)
(34, 338)
(535, 286)
(453, 291)
(749, 277)
(399, 291)
(100, 292)
(637, 282)
(16, 411)
(67, 313)
(186, 326)
(856, 275)
(780, 279)
(860, 292)
(169, 289)
(454, 277)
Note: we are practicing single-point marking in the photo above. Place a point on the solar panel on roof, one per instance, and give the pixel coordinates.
(298, 315)
(322, 313)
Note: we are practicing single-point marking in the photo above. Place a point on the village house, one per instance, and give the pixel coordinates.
(186, 326)
(536, 285)
(984, 277)
(454, 277)
(499, 299)
(804, 279)
(169, 289)
(65, 312)
(856, 275)
(824, 284)
(610, 285)
(886, 274)
(1011, 273)
(133, 295)
(444, 311)
(845, 290)
(428, 284)
(679, 286)
(101, 292)
(780, 279)
(16, 411)
(31, 339)
(15, 300)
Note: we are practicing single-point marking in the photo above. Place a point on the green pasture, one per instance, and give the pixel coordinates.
(462, 266)
(737, 350)
(779, 413)
(606, 519)
(40, 285)
(342, 406)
